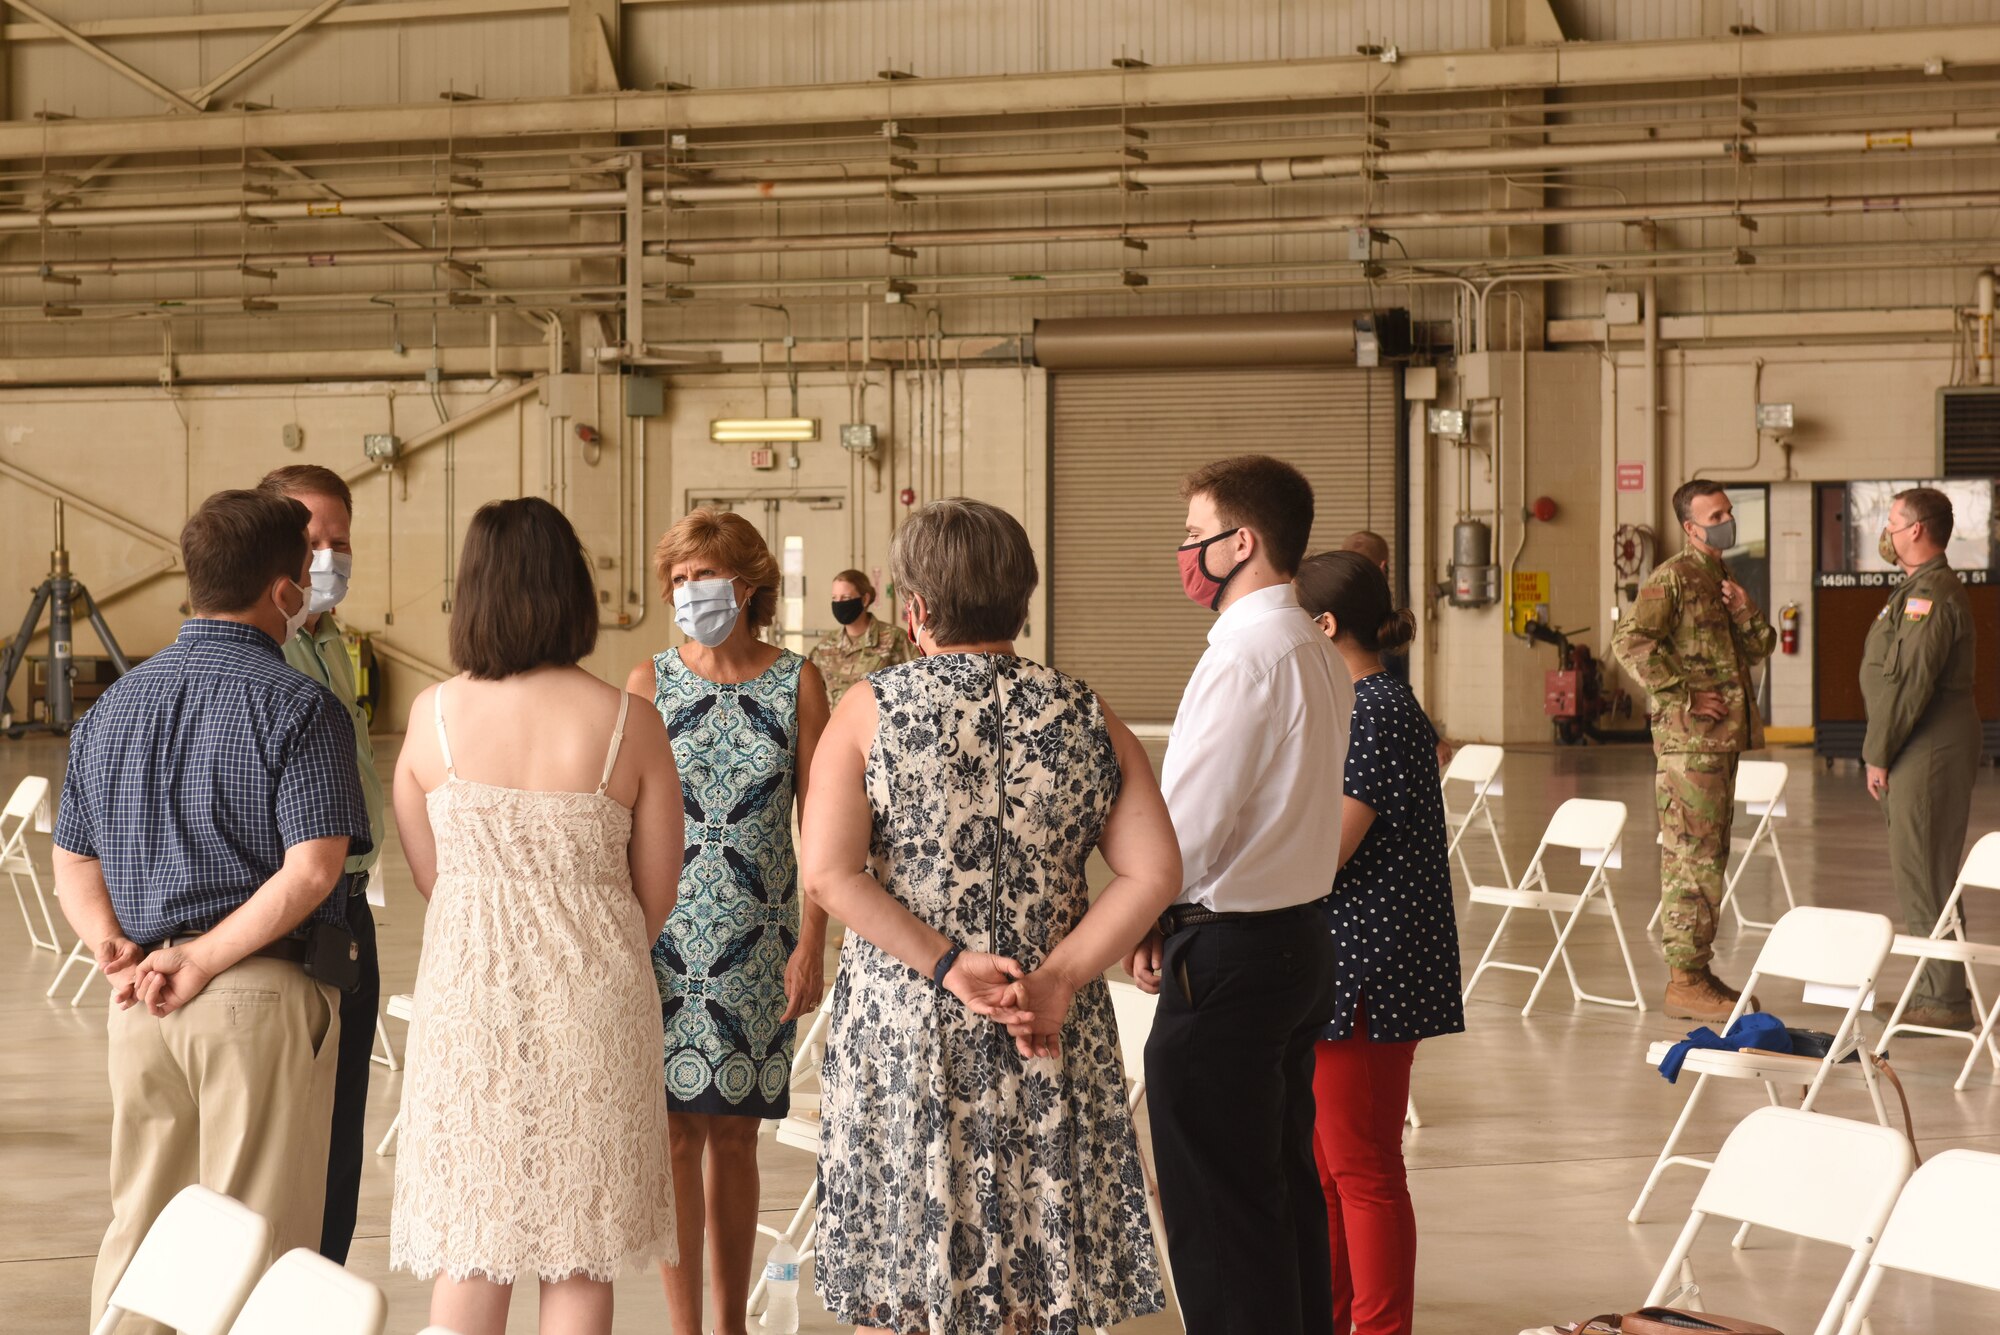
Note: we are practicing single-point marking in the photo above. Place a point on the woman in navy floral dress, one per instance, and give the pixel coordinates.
(973, 1181)
(737, 964)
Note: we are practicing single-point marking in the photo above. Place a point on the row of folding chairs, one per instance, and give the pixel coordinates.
(1831, 1180)
(205, 1268)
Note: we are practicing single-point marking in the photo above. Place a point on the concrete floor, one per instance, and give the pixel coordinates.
(1538, 1132)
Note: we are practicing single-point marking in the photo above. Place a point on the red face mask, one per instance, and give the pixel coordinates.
(1199, 585)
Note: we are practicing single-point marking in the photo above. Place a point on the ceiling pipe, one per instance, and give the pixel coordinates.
(1266, 172)
(1192, 229)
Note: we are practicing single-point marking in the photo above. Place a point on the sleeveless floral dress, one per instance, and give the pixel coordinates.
(534, 1135)
(720, 960)
(959, 1183)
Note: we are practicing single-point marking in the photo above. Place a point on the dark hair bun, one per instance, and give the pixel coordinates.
(1398, 629)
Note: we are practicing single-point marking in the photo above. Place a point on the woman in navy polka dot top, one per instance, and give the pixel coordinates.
(1397, 945)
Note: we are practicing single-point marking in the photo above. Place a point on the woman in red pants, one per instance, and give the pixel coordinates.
(1391, 917)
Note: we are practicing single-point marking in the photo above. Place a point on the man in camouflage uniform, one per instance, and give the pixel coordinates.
(1922, 745)
(1691, 640)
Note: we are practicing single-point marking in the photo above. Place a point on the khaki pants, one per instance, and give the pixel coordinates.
(233, 1091)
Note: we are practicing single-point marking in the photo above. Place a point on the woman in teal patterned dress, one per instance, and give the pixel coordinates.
(738, 963)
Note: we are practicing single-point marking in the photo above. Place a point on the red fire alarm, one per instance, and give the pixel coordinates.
(586, 434)
(1543, 509)
(907, 496)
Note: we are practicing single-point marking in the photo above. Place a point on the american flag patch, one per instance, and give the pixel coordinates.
(1917, 608)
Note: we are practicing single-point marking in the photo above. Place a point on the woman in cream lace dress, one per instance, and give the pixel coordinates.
(540, 814)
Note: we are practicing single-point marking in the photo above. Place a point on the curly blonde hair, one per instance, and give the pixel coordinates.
(731, 542)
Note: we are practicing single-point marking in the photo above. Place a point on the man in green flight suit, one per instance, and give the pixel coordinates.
(1922, 745)
(319, 650)
(1692, 639)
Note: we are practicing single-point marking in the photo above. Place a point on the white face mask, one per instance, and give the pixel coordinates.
(706, 610)
(330, 572)
(295, 621)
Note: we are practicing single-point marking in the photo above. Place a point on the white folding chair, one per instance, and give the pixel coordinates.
(29, 797)
(1479, 766)
(303, 1293)
(400, 1006)
(195, 1267)
(1592, 828)
(799, 1130)
(1836, 948)
(1944, 1227)
(77, 955)
(1134, 1010)
(1947, 942)
(1760, 787)
(1803, 1173)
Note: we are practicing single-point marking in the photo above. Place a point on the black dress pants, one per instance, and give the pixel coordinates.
(358, 1011)
(1229, 1072)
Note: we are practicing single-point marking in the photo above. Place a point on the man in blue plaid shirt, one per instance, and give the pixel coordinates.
(210, 803)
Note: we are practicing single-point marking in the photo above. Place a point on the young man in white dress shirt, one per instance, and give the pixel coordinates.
(1242, 961)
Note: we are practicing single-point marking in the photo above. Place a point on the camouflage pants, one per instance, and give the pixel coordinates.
(1696, 794)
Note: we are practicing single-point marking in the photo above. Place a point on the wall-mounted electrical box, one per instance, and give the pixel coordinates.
(381, 447)
(1420, 382)
(645, 396)
(859, 438)
(1621, 308)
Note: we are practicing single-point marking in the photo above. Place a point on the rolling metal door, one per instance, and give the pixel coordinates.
(1121, 442)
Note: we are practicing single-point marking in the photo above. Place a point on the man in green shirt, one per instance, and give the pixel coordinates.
(320, 651)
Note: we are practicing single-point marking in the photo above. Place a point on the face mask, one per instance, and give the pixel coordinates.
(330, 572)
(916, 638)
(1198, 584)
(295, 621)
(706, 610)
(1721, 536)
(847, 611)
(1887, 546)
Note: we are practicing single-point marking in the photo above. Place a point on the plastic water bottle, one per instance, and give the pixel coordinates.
(781, 1290)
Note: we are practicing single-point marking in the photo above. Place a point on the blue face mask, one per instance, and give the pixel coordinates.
(706, 610)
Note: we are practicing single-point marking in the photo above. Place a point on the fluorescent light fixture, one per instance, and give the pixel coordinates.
(1774, 417)
(1447, 422)
(762, 430)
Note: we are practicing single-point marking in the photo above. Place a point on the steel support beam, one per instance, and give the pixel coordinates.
(1588, 64)
(85, 506)
(445, 430)
(105, 58)
(204, 94)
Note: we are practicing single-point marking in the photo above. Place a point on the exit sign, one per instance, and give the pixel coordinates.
(763, 457)
(1631, 477)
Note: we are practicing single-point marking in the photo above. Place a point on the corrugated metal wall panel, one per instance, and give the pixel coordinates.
(1121, 443)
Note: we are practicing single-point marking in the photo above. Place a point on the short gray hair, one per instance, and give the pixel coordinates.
(973, 566)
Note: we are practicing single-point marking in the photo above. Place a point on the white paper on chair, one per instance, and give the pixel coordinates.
(1840, 998)
(376, 888)
(1589, 856)
(1759, 808)
(1496, 788)
(44, 821)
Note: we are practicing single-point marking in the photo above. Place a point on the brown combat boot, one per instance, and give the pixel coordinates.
(1731, 992)
(1692, 994)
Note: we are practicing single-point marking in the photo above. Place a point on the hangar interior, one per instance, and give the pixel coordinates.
(1497, 275)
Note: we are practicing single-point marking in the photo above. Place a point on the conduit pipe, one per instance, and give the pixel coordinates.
(1266, 172)
(1191, 229)
(1984, 346)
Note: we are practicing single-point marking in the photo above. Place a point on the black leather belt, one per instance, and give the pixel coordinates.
(1182, 916)
(291, 949)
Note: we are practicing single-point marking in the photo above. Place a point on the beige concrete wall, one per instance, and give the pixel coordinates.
(147, 456)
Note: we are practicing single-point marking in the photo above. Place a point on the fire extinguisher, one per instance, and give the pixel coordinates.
(1788, 634)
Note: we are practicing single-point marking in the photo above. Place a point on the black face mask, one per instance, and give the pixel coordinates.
(847, 611)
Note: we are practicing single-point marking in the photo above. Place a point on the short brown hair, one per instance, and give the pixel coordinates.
(1688, 493)
(1369, 543)
(1267, 496)
(237, 543)
(1931, 508)
(525, 597)
(729, 540)
(309, 480)
(860, 581)
(973, 566)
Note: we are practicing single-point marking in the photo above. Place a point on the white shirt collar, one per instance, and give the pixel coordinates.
(1272, 599)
